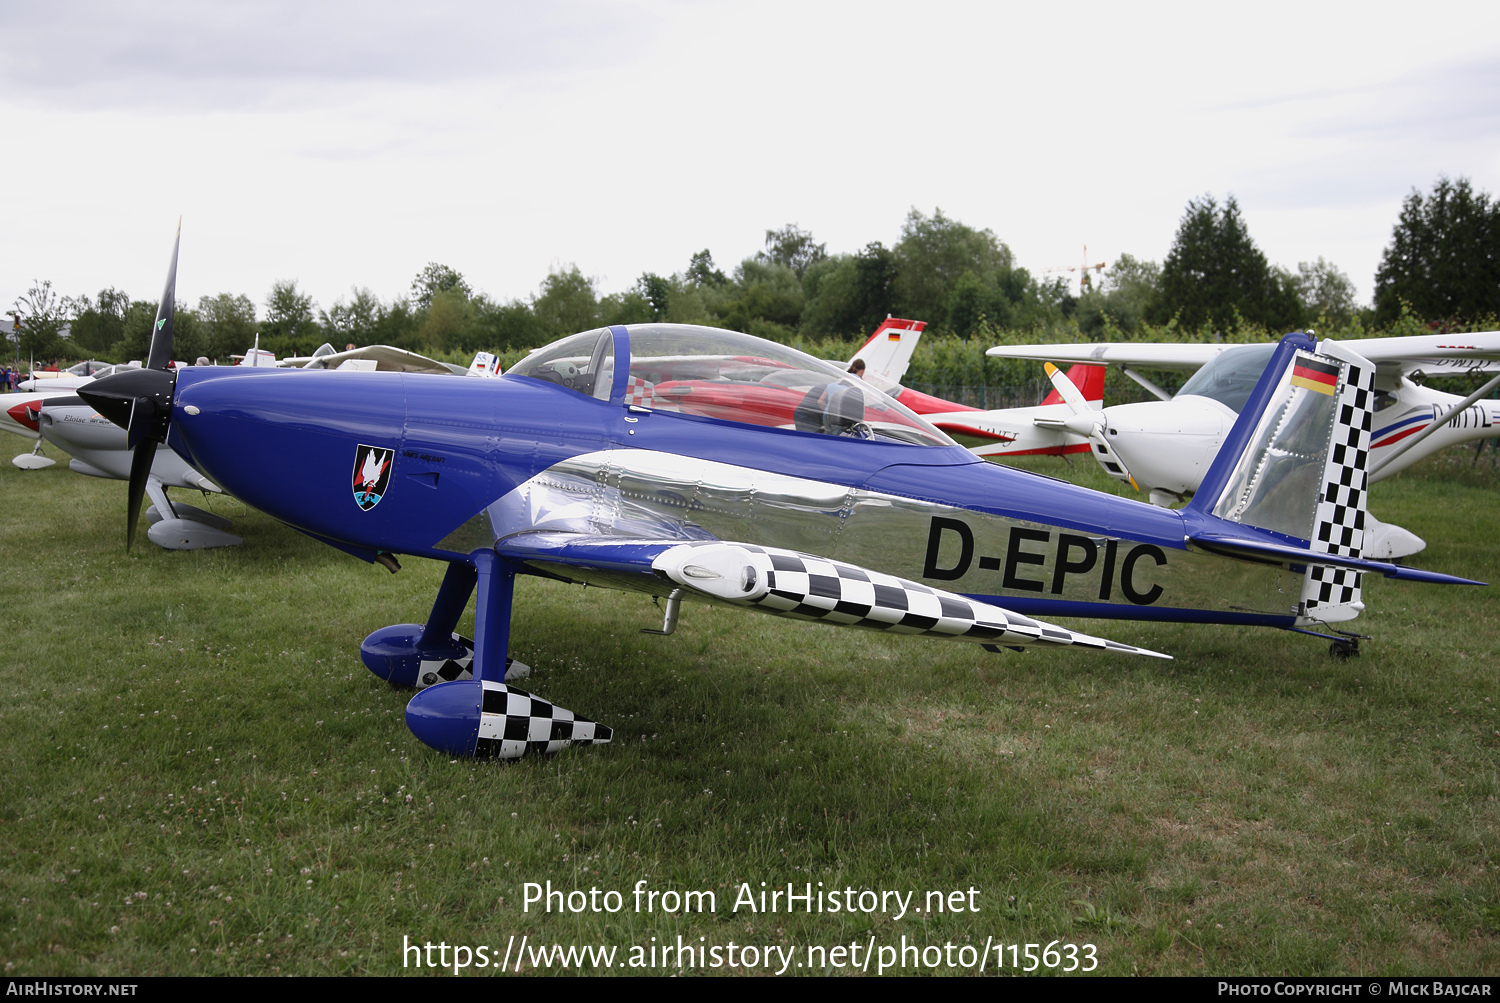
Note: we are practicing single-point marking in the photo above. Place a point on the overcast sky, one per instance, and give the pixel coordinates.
(345, 144)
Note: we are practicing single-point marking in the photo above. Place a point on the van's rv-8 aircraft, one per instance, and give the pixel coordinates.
(655, 458)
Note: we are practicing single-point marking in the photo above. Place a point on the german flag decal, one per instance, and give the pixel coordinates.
(1313, 374)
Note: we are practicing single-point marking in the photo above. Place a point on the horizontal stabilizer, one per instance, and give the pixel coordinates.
(1256, 550)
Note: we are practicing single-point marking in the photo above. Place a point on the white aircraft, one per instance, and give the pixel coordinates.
(98, 450)
(1001, 433)
(1164, 447)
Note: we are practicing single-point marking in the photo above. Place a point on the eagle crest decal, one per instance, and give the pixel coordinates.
(372, 474)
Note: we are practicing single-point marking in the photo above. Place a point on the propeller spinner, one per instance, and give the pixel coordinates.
(140, 400)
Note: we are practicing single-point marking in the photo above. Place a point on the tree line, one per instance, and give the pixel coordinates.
(1440, 267)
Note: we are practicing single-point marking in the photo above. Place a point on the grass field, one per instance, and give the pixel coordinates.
(200, 777)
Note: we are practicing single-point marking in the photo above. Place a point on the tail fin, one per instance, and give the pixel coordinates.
(888, 352)
(1295, 465)
(1088, 379)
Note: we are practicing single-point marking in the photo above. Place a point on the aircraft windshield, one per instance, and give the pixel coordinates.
(1231, 377)
(584, 362)
(736, 377)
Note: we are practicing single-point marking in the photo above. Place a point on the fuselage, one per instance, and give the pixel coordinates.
(473, 462)
(1169, 445)
(97, 446)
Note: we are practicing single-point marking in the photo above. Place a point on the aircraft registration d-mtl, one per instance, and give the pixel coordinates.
(659, 459)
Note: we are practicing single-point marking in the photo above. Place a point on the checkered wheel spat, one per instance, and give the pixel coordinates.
(513, 723)
(445, 670)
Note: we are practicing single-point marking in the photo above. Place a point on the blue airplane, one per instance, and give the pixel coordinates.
(704, 465)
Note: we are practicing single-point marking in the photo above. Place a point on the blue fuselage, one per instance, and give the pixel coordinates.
(292, 444)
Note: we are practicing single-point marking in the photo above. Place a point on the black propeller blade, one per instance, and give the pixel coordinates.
(140, 400)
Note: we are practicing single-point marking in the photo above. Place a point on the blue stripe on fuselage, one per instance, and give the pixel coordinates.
(1424, 416)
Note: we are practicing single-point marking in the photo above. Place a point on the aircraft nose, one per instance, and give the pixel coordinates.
(285, 441)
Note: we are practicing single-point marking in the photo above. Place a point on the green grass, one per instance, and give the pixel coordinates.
(194, 733)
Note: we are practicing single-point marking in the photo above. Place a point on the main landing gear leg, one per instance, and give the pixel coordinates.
(483, 716)
(497, 589)
(397, 653)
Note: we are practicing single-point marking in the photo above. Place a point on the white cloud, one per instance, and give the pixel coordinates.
(350, 144)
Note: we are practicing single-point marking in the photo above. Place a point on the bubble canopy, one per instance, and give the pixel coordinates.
(729, 376)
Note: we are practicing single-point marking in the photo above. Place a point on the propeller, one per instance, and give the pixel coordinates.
(1087, 422)
(140, 400)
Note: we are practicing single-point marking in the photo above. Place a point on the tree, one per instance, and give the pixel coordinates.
(657, 292)
(701, 270)
(188, 340)
(446, 321)
(567, 302)
(631, 307)
(1444, 257)
(933, 255)
(792, 247)
(1124, 298)
(41, 318)
(289, 313)
(501, 326)
(434, 279)
(1324, 290)
(874, 287)
(354, 322)
(954, 276)
(762, 291)
(97, 325)
(228, 324)
(1215, 274)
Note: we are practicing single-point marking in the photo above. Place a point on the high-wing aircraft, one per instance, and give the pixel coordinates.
(1167, 446)
(655, 458)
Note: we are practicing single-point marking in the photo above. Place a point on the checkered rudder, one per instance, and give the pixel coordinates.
(1339, 526)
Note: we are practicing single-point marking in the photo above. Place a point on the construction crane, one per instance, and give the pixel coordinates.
(1085, 281)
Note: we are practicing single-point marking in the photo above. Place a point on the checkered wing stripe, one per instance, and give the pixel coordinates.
(806, 587)
(513, 723)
